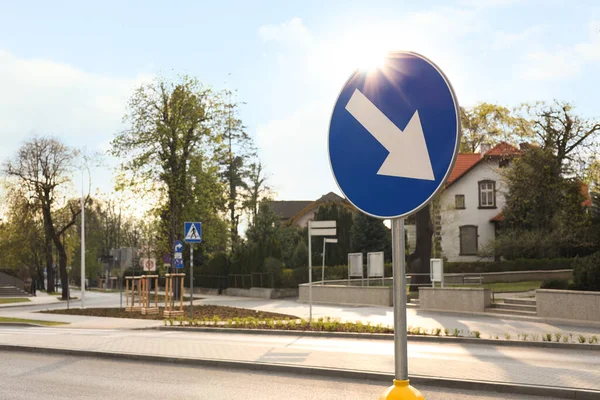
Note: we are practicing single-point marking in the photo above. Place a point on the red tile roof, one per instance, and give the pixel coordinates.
(504, 149)
(498, 218)
(464, 162)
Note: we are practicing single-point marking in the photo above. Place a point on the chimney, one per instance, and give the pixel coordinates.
(484, 148)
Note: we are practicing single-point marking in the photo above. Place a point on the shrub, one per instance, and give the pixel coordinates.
(586, 273)
(509, 265)
(555, 284)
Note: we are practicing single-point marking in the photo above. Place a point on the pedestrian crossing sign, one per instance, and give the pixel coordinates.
(193, 232)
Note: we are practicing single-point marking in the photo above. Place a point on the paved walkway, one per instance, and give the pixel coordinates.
(520, 365)
(40, 298)
(487, 325)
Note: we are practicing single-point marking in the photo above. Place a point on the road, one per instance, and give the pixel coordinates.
(27, 376)
(521, 365)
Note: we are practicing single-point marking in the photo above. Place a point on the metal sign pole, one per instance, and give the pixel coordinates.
(309, 274)
(191, 281)
(323, 268)
(398, 262)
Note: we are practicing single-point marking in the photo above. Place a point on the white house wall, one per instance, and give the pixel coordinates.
(452, 218)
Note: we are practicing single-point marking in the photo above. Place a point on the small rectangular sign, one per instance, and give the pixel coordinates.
(323, 232)
(323, 224)
(178, 256)
(178, 263)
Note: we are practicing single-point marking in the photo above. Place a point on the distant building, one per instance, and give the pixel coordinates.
(299, 212)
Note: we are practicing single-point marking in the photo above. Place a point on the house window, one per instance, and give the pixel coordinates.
(487, 194)
(503, 163)
(459, 200)
(468, 240)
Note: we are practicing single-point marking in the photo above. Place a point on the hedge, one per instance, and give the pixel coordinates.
(512, 265)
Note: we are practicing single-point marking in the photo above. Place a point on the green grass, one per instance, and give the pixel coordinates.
(14, 300)
(31, 321)
(507, 287)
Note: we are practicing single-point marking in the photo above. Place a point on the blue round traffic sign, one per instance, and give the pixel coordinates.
(394, 135)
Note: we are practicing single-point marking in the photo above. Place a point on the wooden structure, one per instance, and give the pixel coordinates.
(145, 294)
(172, 309)
(132, 293)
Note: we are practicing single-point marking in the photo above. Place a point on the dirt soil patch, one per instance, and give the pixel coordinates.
(200, 312)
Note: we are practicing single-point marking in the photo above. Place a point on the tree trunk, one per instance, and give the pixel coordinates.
(49, 264)
(62, 263)
(419, 260)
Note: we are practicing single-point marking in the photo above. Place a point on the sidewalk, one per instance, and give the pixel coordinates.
(39, 299)
(575, 369)
(487, 325)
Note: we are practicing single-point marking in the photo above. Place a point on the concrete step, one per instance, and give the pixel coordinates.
(495, 310)
(517, 307)
(525, 302)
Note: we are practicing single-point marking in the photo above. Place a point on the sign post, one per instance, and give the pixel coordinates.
(316, 228)
(192, 234)
(325, 241)
(393, 138)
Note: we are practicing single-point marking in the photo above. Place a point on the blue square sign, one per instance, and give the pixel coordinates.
(192, 232)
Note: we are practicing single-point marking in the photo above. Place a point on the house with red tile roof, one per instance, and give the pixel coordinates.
(471, 204)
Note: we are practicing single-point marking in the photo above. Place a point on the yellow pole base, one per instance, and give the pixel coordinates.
(401, 390)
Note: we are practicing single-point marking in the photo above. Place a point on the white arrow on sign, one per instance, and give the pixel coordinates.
(408, 156)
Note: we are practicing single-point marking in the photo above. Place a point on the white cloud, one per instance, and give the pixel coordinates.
(50, 98)
(545, 65)
(564, 62)
(293, 30)
(504, 40)
(487, 3)
(294, 148)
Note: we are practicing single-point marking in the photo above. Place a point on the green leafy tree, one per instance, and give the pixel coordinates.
(545, 219)
(169, 125)
(43, 166)
(336, 254)
(491, 124)
(369, 234)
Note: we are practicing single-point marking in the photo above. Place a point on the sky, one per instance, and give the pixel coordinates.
(67, 68)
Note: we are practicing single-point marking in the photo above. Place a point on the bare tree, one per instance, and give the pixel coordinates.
(43, 166)
(570, 137)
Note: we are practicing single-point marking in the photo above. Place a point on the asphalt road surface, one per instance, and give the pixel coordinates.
(25, 376)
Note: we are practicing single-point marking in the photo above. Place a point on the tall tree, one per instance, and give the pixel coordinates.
(256, 189)
(570, 137)
(43, 166)
(21, 232)
(491, 124)
(236, 151)
(336, 254)
(370, 234)
(168, 124)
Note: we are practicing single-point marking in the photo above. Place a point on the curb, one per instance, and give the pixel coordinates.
(22, 325)
(383, 336)
(499, 387)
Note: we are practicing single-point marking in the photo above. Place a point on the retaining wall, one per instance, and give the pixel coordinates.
(568, 304)
(455, 299)
(348, 295)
